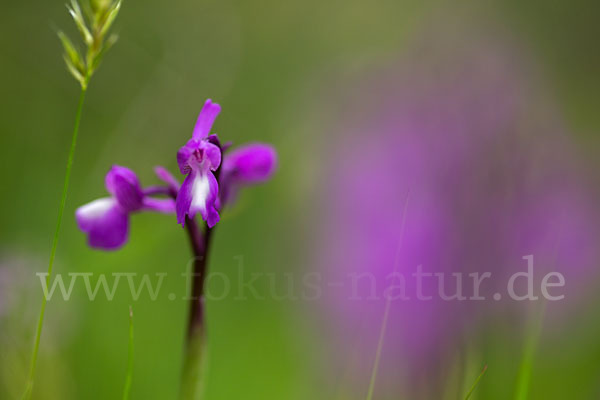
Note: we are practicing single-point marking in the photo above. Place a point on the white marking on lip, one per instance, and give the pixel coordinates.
(200, 192)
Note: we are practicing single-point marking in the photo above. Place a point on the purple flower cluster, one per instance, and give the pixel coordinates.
(212, 180)
(488, 173)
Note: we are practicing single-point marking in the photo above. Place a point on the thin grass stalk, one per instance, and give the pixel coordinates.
(386, 311)
(531, 344)
(476, 382)
(130, 355)
(61, 209)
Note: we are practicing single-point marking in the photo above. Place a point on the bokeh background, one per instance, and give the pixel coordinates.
(317, 80)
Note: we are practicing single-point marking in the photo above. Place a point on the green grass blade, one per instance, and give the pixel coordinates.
(475, 383)
(526, 367)
(386, 311)
(129, 377)
(61, 209)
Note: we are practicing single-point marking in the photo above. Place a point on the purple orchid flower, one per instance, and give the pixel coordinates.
(206, 189)
(199, 158)
(106, 220)
(248, 165)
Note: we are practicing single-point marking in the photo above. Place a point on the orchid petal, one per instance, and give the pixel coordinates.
(124, 185)
(253, 163)
(185, 153)
(205, 120)
(212, 155)
(165, 206)
(198, 154)
(105, 222)
(164, 175)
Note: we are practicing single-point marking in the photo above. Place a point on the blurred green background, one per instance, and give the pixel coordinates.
(268, 64)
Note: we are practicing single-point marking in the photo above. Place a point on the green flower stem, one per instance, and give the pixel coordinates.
(192, 384)
(61, 210)
(191, 379)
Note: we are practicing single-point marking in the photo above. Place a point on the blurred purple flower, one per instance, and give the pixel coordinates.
(106, 220)
(492, 177)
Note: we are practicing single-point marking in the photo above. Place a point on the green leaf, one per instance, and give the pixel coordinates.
(532, 337)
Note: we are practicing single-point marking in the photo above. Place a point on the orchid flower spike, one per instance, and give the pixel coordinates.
(106, 220)
(209, 185)
(199, 158)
